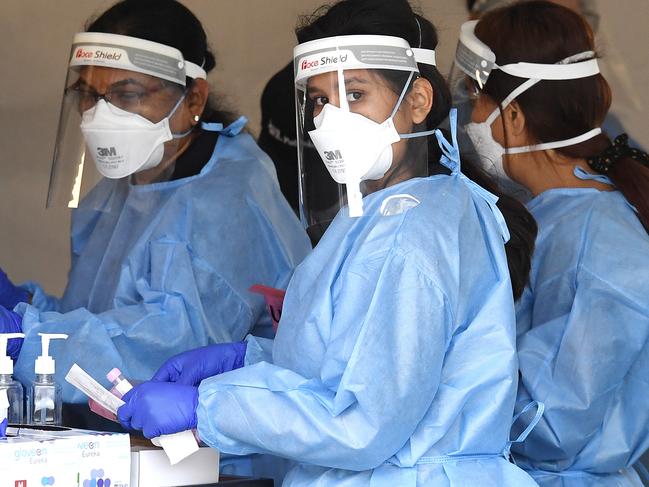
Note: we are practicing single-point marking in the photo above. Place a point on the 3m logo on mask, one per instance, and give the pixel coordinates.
(106, 151)
(333, 155)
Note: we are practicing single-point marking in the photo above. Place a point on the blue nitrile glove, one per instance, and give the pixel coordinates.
(11, 322)
(159, 408)
(191, 367)
(3, 428)
(11, 295)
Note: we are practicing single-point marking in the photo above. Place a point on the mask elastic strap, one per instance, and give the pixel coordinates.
(555, 145)
(512, 96)
(402, 96)
(396, 108)
(171, 114)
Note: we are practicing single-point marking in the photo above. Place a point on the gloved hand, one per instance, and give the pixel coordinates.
(159, 408)
(191, 367)
(11, 295)
(3, 428)
(11, 322)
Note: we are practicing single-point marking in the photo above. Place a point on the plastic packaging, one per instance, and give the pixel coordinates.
(10, 389)
(45, 399)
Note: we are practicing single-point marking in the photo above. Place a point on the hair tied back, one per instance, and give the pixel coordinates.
(616, 151)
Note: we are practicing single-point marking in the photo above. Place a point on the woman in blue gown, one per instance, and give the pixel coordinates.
(166, 245)
(583, 321)
(395, 362)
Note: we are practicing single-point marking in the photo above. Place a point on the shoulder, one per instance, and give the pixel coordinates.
(449, 211)
(449, 227)
(592, 232)
(238, 171)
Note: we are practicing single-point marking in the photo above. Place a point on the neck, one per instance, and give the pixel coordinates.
(544, 170)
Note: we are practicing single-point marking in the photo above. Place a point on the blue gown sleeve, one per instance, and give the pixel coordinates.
(395, 360)
(258, 349)
(158, 314)
(40, 299)
(576, 364)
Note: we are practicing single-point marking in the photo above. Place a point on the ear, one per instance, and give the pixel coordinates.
(514, 118)
(197, 98)
(420, 100)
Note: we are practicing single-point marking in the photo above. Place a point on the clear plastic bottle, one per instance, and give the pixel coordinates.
(15, 392)
(45, 399)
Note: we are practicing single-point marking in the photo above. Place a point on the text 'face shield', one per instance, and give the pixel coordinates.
(349, 93)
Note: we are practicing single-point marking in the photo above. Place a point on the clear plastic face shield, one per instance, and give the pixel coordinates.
(121, 94)
(355, 135)
(474, 62)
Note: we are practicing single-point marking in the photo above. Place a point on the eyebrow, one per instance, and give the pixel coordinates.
(117, 84)
(353, 79)
(356, 79)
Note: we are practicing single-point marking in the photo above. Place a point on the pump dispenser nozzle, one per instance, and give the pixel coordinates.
(44, 363)
(6, 364)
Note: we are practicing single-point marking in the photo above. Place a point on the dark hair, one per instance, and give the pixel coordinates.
(167, 22)
(397, 18)
(544, 32)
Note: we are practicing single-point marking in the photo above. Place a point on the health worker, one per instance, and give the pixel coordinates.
(395, 361)
(583, 321)
(182, 212)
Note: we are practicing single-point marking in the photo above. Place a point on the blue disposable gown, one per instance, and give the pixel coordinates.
(583, 325)
(161, 268)
(395, 361)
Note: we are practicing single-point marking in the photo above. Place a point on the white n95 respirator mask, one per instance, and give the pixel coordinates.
(122, 143)
(353, 147)
(489, 150)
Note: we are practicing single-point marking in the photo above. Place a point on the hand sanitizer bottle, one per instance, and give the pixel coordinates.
(4, 407)
(13, 390)
(45, 400)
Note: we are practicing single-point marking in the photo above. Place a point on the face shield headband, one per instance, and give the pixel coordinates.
(132, 54)
(369, 142)
(475, 59)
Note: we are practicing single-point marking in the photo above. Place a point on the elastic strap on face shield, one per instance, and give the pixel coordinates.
(583, 70)
(195, 71)
(580, 65)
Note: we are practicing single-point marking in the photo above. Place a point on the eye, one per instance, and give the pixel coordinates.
(127, 99)
(81, 91)
(354, 96)
(320, 100)
(128, 95)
